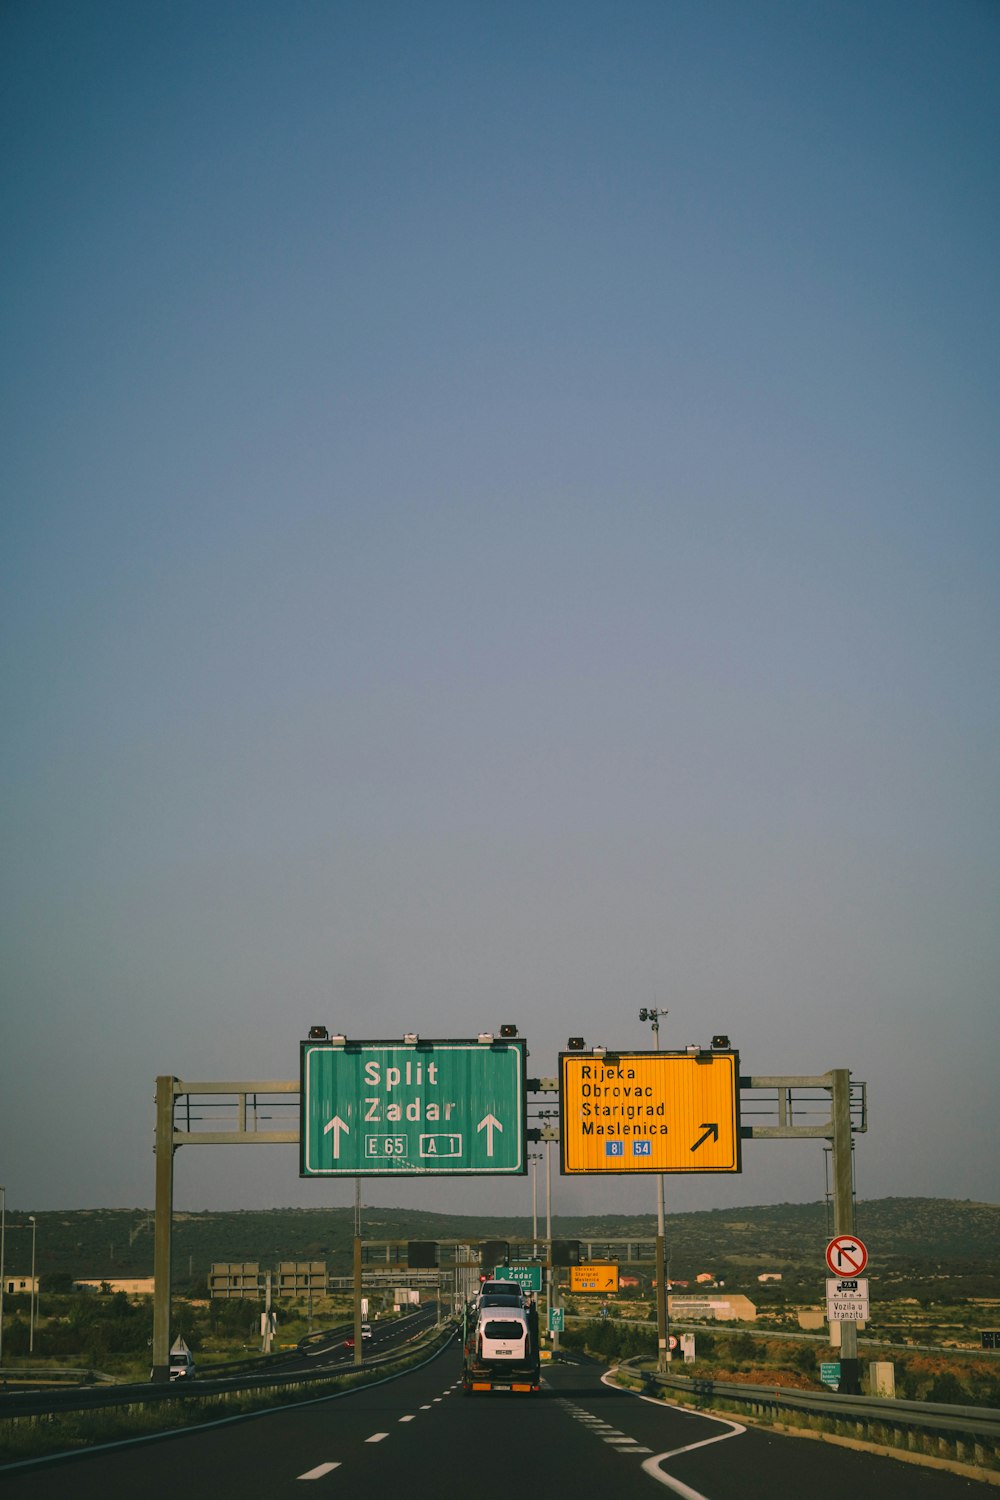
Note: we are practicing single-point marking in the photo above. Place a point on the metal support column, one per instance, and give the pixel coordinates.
(357, 1299)
(662, 1321)
(164, 1219)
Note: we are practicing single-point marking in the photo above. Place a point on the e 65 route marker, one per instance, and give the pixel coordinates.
(846, 1255)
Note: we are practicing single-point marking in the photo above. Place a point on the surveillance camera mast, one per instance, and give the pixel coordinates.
(426, 1106)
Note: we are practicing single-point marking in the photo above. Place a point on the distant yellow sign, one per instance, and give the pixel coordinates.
(594, 1278)
(649, 1112)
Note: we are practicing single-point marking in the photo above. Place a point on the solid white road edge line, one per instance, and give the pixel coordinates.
(652, 1465)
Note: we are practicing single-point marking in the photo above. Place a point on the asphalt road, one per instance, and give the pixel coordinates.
(329, 1350)
(418, 1436)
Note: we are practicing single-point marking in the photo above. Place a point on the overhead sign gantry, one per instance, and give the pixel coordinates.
(827, 1106)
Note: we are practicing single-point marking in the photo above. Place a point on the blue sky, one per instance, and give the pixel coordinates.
(500, 523)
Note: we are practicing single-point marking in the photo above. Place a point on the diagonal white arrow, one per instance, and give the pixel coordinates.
(490, 1123)
(336, 1125)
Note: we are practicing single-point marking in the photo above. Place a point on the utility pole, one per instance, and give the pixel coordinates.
(843, 1214)
(32, 1304)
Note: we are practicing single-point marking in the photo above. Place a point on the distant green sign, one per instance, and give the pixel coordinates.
(529, 1277)
(375, 1109)
(556, 1319)
(830, 1373)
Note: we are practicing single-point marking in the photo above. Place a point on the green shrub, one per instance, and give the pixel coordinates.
(947, 1388)
(743, 1349)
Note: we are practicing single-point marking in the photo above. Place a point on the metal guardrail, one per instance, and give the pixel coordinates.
(761, 1330)
(252, 1364)
(52, 1375)
(889, 1422)
(44, 1403)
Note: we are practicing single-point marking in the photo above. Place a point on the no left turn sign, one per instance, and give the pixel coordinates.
(846, 1255)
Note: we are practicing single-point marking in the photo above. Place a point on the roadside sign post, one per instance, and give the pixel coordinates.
(847, 1301)
(420, 1108)
(839, 1253)
(846, 1255)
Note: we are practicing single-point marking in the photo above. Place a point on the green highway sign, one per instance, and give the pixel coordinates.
(529, 1277)
(421, 1108)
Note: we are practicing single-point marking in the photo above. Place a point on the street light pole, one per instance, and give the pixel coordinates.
(553, 1296)
(662, 1306)
(534, 1158)
(31, 1304)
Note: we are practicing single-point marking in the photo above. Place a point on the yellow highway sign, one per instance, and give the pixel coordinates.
(593, 1278)
(627, 1112)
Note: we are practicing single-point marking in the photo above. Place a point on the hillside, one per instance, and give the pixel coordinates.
(933, 1241)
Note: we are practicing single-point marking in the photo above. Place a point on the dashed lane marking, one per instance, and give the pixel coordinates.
(376, 1437)
(613, 1436)
(319, 1471)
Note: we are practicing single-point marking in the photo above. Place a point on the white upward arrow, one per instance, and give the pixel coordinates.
(489, 1124)
(336, 1125)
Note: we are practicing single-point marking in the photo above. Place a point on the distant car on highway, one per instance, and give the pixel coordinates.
(181, 1361)
(501, 1294)
(366, 1330)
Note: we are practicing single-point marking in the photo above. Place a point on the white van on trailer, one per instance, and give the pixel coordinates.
(503, 1334)
(500, 1348)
